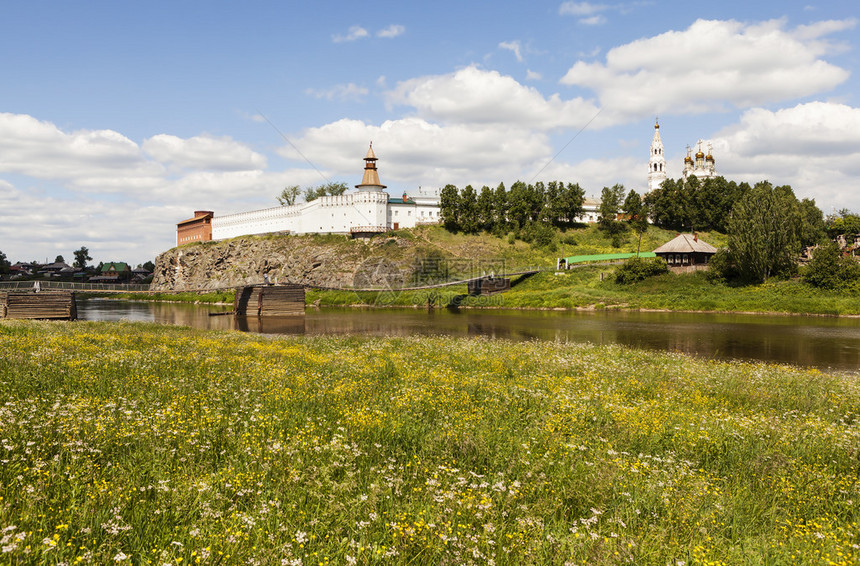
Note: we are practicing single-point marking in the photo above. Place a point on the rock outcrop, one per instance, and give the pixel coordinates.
(323, 261)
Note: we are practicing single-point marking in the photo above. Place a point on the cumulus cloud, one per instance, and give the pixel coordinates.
(355, 32)
(709, 66)
(413, 150)
(533, 75)
(203, 152)
(476, 96)
(94, 159)
(513, 46)
(349, 91)
(815, 147)
(393, 30)
(73, 179)
(595, 173)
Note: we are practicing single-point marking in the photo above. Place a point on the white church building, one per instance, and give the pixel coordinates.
(703, 167)
(369, 210)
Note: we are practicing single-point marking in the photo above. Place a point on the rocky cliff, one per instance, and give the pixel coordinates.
(326, 261)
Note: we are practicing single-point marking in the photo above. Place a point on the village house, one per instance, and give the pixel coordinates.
(113, 272)
(686, 252)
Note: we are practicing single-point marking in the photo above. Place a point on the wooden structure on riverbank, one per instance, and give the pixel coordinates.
(270, 300)
(488, 285)
(50, 305)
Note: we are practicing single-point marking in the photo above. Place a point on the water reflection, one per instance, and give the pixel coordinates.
(821, 342)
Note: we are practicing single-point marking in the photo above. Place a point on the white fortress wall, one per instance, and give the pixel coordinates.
(329, 214)
(276, 219)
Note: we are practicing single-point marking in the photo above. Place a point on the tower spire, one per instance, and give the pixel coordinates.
(370, 180)
(657, 162)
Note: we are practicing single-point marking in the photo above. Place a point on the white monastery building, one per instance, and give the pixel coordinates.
(369, 210)
(703, 167)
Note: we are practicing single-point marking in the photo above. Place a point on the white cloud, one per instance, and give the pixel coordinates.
(100, 189)
(708, 66)
(393, 30)
(512, 46)
(581, 8)
(475, 96)
(203, 152)
(349, 91)
(594, 174)
(413, 150)
(597, 20)
(355, 32)
(814, 147)
(533, 75)
(98, 160)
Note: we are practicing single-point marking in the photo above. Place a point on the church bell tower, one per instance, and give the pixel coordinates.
(657, 163)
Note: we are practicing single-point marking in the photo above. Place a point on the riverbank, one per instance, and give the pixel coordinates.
(592, 287)
(153, 443)
(585, 288)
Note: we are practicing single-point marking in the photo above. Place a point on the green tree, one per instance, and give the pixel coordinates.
(812, 223)
(519, 204)
(572, 200)
(82, 256)
(500, 205)
(637, 215)
(148, 265)
(449, 207)
(289, 195)
(829, 269)
(764, 232)
(844, 222)
(469, 221)
(4, 263)
(610, 203)
(59, 259)
(486, 210)
(632, 205)
(326, 189)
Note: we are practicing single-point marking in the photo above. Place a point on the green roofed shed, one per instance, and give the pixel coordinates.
(604, 257)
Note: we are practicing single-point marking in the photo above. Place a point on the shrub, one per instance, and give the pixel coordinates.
(722, 268)
(638, 269)
(829, 270)
(538, 234)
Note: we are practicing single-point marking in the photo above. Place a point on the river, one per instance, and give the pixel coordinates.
(827, 343)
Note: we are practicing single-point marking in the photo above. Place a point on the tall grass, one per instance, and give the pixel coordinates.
(150, 444)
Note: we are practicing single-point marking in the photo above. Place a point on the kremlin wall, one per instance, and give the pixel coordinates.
(369, 210)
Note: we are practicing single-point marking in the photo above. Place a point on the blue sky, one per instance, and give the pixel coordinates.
(119, 119)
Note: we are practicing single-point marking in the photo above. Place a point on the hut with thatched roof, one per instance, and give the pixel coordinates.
(686, 251)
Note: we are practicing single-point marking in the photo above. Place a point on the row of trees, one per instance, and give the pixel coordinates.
(290, 195)
(470, 211)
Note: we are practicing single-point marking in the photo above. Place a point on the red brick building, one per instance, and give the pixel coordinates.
(197, 229)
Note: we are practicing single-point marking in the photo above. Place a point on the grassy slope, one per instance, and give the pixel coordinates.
(154, 444)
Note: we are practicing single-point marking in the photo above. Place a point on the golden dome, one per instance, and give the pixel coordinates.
(688, 159)
(699, 155)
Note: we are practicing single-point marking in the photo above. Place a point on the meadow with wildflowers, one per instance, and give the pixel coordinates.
(124, 443)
